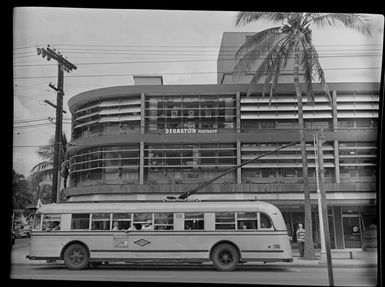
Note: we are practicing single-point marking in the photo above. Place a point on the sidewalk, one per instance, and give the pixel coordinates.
(359, 259)
(340, 258)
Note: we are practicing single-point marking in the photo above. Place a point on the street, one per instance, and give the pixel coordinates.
(257, 273)
(251, 274)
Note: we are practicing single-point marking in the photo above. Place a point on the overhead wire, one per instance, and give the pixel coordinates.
(178, 73)
(182, 61)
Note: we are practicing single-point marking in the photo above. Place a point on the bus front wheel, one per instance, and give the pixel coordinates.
(76, 256)
(225, 257)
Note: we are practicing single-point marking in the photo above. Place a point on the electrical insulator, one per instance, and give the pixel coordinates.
(43, 53)
(38, 51)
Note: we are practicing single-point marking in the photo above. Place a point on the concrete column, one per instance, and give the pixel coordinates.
(142, 113)
(141, 144)
(239, 173)
(238, 111)
(141, 162)
(338, 227)
(335, 144)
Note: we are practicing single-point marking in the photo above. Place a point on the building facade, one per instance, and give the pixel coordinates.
(152, 141)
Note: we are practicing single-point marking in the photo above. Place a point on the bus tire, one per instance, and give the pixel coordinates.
(76, 256)
(225, 257)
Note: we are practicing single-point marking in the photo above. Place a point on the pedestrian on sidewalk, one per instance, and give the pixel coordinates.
(300, 239)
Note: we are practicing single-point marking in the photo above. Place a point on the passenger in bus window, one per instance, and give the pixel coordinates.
(116, 226)
(56, 225)
(242, 226)
(147, 225)
(132, 228)
(265, 222)
(187, 226)
(47, 226)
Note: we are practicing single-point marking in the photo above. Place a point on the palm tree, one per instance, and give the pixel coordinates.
(43, 171)
(21, 194)
(274, 47)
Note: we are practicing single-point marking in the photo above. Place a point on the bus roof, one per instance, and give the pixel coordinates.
(178, 206)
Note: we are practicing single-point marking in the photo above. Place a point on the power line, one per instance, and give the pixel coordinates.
(27, 146)
(182, 61)
(34, 120)
(29, 120)
(181, 73)
(200, 46)
(25, 47)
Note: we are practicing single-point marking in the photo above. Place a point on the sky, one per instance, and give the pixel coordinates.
(108, 46)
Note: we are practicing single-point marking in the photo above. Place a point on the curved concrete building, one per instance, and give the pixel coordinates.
(153, 141)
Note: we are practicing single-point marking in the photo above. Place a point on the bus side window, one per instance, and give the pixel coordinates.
(163, 221)
(247, 220)
(51, 222)
(265, 221)
(100, 221)
(143, 221)
(80, 221)
(121, 221)
(194, 221)
(37, 222)
(224, 220)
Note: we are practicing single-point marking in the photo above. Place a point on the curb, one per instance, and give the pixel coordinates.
(371, 265)
(267, 265)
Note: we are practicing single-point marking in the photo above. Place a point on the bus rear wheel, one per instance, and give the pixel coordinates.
(76, 256)
(225, 257)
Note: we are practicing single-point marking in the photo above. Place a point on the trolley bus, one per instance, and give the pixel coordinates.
(225, 233)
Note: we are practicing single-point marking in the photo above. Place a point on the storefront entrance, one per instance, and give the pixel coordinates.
(352, 231)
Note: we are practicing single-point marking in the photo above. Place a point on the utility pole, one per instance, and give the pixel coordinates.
(63, 65)
(320, 137)
(320, 217)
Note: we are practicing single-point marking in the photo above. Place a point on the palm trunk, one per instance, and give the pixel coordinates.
(309, 248)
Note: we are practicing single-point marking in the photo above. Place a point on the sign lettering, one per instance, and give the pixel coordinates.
(191, 131)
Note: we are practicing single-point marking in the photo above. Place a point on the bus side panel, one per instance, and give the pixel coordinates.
(46, 245)
(266, 246)
(192, 244)
(164, 245)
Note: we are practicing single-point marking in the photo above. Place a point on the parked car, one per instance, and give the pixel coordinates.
(23, 231)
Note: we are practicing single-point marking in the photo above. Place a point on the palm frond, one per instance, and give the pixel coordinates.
(42, 166)
(256, 53)
(307, 65)
(285, 52)
(351, 21)
(244, 18)
(261, 40)
(264, 68)
(313, 69)
(46, 151)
